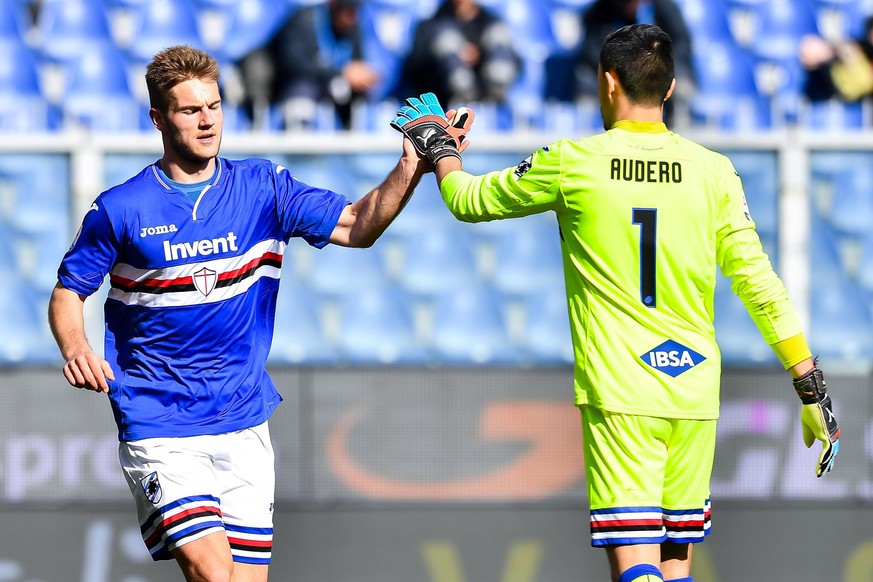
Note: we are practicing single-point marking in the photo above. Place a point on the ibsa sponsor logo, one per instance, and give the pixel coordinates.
(672, 358)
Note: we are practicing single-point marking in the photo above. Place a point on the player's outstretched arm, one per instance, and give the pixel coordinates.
(364, 221)
(817, 415)
(83, 368)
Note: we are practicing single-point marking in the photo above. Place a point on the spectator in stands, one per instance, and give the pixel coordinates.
(192, 246)
(604, 16)
(316, 56)
(842, 69)
(463, 52)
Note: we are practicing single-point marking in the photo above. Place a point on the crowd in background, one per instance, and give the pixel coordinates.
(290, 64)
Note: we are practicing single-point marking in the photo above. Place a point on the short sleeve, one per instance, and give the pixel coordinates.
(306, 211)
(92, 254)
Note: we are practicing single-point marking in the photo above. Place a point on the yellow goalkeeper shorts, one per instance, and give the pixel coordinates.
(648, 478)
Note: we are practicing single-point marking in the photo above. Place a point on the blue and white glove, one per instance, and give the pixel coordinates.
(817, 418)
(424, 122)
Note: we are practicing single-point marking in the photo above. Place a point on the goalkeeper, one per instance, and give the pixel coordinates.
(645, 217)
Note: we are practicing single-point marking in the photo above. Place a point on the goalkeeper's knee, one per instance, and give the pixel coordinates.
(641, 573)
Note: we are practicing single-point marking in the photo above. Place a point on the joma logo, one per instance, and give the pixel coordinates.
(153, 230)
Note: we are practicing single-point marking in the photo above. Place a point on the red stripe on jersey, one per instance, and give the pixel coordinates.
(247, 542)
(169, 521)
(251, 265)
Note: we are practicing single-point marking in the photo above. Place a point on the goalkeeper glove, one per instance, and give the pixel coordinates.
(817, 418)
(424, 122)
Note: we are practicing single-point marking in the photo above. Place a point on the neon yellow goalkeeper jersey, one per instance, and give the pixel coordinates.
(645, 218)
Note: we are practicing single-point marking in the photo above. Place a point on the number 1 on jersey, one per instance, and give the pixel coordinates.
(647, 218)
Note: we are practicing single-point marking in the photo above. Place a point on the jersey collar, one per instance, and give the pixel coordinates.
(640, 126)
(212, 181)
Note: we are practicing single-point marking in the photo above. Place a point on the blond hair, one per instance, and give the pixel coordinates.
(172, 66)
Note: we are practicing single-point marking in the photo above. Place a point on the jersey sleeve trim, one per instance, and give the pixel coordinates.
(792, 351)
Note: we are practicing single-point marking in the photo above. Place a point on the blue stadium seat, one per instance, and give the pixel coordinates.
(840, 19)
(529, 259)
(298, 336)
(707, 21)
(23, 107)
(162, 23)
(24, 335)
(727, 96)
(760, 176)
(739, 340)
(824, 249)
(97, 96)
(836, 116)
(336, 270)
(469, 327)
(773, 29)
(781, 81)
(840, 325)
(437, 259)
(425, 210)
(547, 338)
(13, 22)
(70, 29)
(251, 23)
(377, 327)
(851, 211)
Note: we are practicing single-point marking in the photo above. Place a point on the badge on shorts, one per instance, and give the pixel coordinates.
(151, 487)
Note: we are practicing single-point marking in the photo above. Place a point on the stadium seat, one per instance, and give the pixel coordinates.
(162, 23)
(781, 82)
(759, 173)
(24, 336)
(851, 211)
(529, 259)
(299, 336)
(707, 21)
(425, 210)
(377, 327)
(23, 107)
(773, 29)
(69, 29)
(469, 327)
(840, 325)
(336, 270)
(437, 259)
(13, 22)
(547, 338)
(97, 96)
(727, 96)
(251, 23)
(837, 116)
(739, 339)
(840, 19)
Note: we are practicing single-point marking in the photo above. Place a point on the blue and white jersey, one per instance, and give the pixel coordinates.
(192, 302)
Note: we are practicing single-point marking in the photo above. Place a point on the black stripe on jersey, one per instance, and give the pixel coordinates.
(249, 548)
(185, 287)
(595, 526)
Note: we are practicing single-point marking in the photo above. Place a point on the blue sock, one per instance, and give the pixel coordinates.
(688, 579)
(641, 573)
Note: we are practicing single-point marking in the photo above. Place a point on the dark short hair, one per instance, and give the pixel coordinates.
(175, 65)
(641, 55)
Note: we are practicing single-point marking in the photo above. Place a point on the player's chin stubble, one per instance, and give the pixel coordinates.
(187, 152)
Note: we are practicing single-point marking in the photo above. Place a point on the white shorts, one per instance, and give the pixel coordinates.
(189, 487)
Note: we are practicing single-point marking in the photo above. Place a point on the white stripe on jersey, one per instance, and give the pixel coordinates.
(186, 272)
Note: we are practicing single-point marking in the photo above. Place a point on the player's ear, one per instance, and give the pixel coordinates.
(157, 119)
(671, 89)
